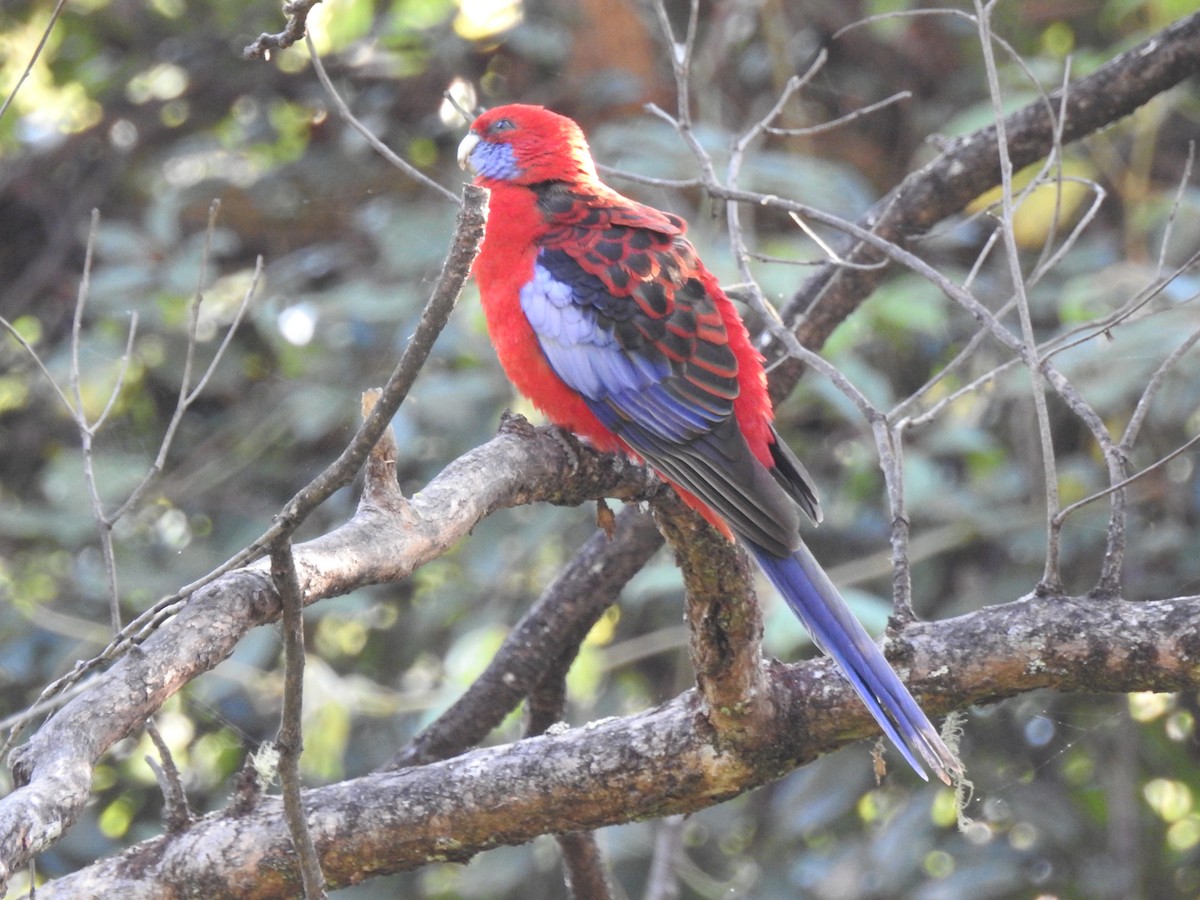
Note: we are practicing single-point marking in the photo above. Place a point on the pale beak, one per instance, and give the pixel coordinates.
(464, 151)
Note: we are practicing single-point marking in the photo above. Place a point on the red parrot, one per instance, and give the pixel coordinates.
(604, 316)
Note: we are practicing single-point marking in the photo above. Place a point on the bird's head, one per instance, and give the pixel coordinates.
(520, 144)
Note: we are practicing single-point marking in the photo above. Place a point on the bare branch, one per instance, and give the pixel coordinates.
(1051, 576)
(733, 214)
(662, 882)
(784, 261)
(53, 769)
(657, 763)
(68, 406)
(291, 731)
(297, 12)
(833, 124)
(177, 815)
(967, 167)
(33, 57)
(1121, 485)
(380, 147)
(1152, 387)
(187, 394)
(681, 64)
(87, 432)
(561, 617)
(464, 245)
(81, 299)
(122, 371)
(1179, 195)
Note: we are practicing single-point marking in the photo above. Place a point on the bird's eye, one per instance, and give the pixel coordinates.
(500, 125)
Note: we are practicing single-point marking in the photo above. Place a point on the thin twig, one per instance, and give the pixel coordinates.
(291, 732)
(784, 261)
(832, 124)
(188, 394)
(68, 406)
(662, 883)
(900, 14)
(1051, 578)
(1180, 192)
(380, 147)
(1053, 162)
(831, 255)
(122, 371)
(1152, 387)
(467, 235)
(87, 433)
(650, 180)
(466, 114)
(81, 300)
(296, 27)
(1089, 331)
(37, 52)
(971, 387)
(681, 53)
(1051, 260)
(1121, 485)
(177, 814)
(733, 217)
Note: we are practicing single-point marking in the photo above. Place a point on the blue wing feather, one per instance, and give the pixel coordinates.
(622, 322)
(596, 343)
(613, 350)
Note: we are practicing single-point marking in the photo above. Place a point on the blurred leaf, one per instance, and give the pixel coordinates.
(1051, 206)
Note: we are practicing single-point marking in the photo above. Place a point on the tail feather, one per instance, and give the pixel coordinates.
(835, 630)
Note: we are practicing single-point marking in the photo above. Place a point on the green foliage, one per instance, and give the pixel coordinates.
(147, 114)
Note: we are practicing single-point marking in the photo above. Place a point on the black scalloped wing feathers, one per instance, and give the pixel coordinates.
(651, 356)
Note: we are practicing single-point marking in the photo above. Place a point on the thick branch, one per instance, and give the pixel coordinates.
(654, 764)
(970, 165)
(724, 621)
(53, 770)
(561, 618)
(650, 765)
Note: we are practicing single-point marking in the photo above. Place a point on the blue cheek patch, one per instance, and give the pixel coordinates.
(495, 161)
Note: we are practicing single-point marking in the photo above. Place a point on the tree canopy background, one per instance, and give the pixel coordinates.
(148, 112)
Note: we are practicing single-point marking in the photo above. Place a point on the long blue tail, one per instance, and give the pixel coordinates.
(812, 596)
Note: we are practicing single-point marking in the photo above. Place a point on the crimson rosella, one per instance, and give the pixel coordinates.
(604, 316)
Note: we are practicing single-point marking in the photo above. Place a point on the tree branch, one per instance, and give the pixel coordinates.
(661, 762)
(296, 27)
(290, 740)
(468, 233)
(380, 544)
(654, 764)
(724, 622)
(561, 617)
(969, 165)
